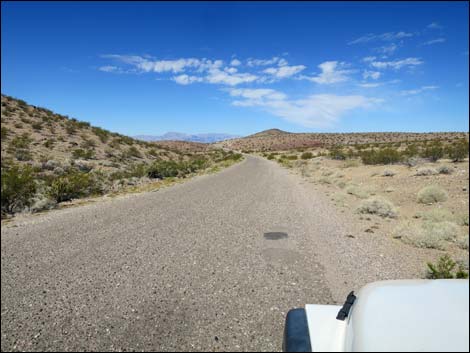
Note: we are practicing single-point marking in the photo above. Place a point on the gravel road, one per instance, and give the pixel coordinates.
(211, 264)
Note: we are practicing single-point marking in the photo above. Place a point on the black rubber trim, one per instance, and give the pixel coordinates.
(296, 336)
(344, 312)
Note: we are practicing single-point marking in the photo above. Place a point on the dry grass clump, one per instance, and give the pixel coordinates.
(438, 215)
(378, 206)
(425, 172)
(431, 235)
(388, 173)
(432, 194)
(357, 191)
(443, 169)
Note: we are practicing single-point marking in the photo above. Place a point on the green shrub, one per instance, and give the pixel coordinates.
(37, 126)
(357, 191)
(445, 269)
(272, 156)
(80, 153)
(49, 143)
(434, 152)
(102, 134)
(18, 188)
(5, 132)
(458, 151)
(306, 155)
(133, 152)
(72, 185)
(164, 169)
(432, 194)
(382, 156)
(336, 152)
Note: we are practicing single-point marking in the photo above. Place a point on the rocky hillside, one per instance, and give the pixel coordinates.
(278, 140)
(47, 158)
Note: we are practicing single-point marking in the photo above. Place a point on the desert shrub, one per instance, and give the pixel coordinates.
(458, 151)
(431, 194)
(425, 172)
(88, 144)
(445, 269)
(434, 152)
(291, 157)
(430, 234)
(444, 170)
(18, 188)
(70, 128)
(152, 152)
(72, 185)
(19, 146)
(378, 206)
(337, 153)
(49, 143)
(357, 191)
(271, 156)
(80, 153)
(37, 126)
(462, 241)
(102, 134)
(325, 180)
(438, 215)
(382, 156)
(132, 151)
(411, 151)
(388, 173)
(4, 131)
(164, 169)
(306, 155)
(463, 220)
(115, 143)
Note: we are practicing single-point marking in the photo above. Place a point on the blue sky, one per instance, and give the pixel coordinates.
(149, 68)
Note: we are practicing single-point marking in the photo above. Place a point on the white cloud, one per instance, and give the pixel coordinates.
(332, 72)
(259, 93)
(434, 41)
(388, 36)
(266, 62)
(109, 68)
(375, 75)
(235, 62)
(321, 110)
(284, 71)
(186, 79)
(434, 25)
(387, 49)
(417, 90)
(370, 85)
(231, 70)
(369, 59)
(396, 64)
(217, 76)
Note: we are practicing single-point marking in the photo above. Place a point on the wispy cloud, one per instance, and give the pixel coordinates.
(416, 91)
(434, 41)
(320, 110)
(396, 64)
(266, 62)
(375, 75)
(369, 58)
(186, 79)
(331, 72)
(370, 85)
(388, 36)
(387, 49)
(284, 71)
(434, 25)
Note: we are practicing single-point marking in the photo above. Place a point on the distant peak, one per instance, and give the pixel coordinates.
(270, 132)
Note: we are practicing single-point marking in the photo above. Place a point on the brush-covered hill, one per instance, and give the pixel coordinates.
(47, 158)
(278, 140)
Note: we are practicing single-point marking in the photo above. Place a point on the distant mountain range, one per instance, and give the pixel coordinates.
(178, 136)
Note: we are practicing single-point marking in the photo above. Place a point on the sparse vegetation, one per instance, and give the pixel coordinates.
(445, 268)
(18, 188)
(378, 206)
(432, 194)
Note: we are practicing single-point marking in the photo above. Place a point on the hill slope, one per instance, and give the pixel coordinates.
(48, 158)
(278, 140)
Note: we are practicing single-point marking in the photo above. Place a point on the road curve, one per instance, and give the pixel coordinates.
(186, 268)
